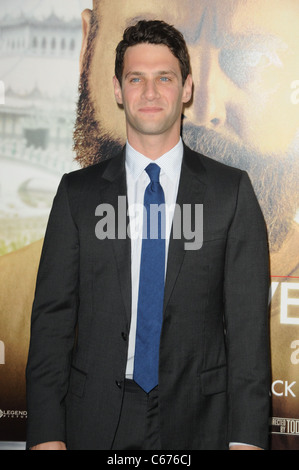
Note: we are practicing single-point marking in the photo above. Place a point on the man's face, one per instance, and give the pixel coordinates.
(152, 92)
(244, 60)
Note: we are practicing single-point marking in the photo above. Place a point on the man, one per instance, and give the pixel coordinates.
(88, 354)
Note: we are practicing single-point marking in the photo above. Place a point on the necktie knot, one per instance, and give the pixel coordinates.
(153, 171)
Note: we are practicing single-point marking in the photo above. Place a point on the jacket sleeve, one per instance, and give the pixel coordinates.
(246, 293)
(53, 324)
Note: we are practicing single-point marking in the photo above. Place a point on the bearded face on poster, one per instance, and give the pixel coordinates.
(244, 113)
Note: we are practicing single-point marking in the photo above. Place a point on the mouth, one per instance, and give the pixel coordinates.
(150, 110)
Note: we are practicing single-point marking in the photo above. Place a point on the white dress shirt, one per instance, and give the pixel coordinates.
(137, 181)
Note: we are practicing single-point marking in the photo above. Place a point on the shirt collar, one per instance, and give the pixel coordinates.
(170, 162)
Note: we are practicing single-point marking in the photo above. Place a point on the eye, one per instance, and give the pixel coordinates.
(135, 80)
(164, 79)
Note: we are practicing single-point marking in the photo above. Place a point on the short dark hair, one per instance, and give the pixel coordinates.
(153, 32)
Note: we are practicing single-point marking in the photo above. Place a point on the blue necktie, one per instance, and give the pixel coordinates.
(151, 284)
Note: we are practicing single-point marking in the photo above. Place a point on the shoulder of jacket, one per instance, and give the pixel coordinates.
(88, 172)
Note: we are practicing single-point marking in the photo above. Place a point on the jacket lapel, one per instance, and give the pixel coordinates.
(191, 191)
(115, 194)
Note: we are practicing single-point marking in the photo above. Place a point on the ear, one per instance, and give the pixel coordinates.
(85, 16)
(188, 89)
(117, 91)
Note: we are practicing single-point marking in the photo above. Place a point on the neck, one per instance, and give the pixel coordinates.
(153, 146)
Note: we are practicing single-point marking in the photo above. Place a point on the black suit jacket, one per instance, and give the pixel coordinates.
(214, 376)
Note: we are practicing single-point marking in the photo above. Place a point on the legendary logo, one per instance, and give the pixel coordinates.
(13, 414)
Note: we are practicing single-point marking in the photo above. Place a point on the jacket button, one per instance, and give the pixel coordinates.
(118, 383)
(124, 336)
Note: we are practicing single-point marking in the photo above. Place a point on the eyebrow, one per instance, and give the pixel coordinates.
(253, 39)
(142, 74)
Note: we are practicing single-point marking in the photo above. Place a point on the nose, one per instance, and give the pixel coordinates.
(150, 90)
(211, 94)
